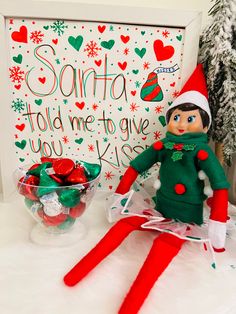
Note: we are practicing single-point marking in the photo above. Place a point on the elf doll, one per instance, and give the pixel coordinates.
(178, 212)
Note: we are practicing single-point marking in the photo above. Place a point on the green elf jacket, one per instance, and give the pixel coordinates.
(181, 194)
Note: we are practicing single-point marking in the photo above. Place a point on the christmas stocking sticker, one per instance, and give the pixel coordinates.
(151, 90)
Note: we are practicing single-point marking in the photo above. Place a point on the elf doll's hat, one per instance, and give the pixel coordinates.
(194, 92)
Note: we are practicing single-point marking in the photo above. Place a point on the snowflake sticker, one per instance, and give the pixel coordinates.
(146, 65)
(137, 84)
(126, 51)
(145, 174)
(65, 139)
(16, 74)
(108, 175)
(18, 105)
(157, 135)
(133, 107)
(58, 27)
(91, 148)
(159, 109)
(36, 37)
(92, 49)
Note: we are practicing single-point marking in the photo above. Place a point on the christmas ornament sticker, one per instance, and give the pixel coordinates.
(90, 91)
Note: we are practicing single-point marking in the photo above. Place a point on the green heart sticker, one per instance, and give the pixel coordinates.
(147, 109)
(123, 201)
(162, 120)
(135, 71)
(140, 52)
(18, 59)
(79, 141)
(179, 37)
(108, 44)
(143, 32)
(46, 27)
(120, 108)
(38, 102)
(21, 144)
(22, 159)
(76, 42)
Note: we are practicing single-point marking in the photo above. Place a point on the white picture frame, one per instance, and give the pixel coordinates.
(190, 21)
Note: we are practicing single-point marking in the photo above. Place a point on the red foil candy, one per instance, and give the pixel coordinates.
(30, 187)
(21, 185)
(52, 221)
(34, 166)
(48, 159)
(63, 167)
(57, 179)
(77, 210)
(77, 176)
(27, 186)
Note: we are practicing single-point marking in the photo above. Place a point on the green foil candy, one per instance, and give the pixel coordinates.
(67, 223)
(91, 170)
(37, 171)
(46, 184)
(69, 197)
(28, 202)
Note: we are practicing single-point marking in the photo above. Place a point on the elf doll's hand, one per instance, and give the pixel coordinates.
(217, 235)
(218, 218)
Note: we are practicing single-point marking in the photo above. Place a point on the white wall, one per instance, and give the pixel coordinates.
(195, 5)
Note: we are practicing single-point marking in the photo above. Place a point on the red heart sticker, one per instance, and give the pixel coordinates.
(172, 84)
(162, 52)
(98, 62)
(21, 35)
(122, 65)
(125, 39)
(17, 86)
(42, 79)
(55, 41)
(101, 28)
(133, 92)
(80, 105)
(20, 127)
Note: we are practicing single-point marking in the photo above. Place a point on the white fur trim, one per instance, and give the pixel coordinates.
(202, 175)
(208, 191)
(157, 184)
(217, 233)
(195, 98)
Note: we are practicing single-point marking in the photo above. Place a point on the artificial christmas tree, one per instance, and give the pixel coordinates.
(218, 55)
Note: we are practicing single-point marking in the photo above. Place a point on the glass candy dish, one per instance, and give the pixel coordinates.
(56, 193)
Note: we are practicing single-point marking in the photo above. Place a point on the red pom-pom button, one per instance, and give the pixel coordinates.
(158, 145)
(202, 154)
(180, 188)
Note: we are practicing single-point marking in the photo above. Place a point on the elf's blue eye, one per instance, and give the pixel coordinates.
(191, 119)
(177, 117)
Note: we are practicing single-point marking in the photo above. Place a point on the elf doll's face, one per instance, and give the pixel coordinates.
(185, 121)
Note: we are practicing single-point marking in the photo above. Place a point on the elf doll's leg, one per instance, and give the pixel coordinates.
(164, 249)
(107, 244)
